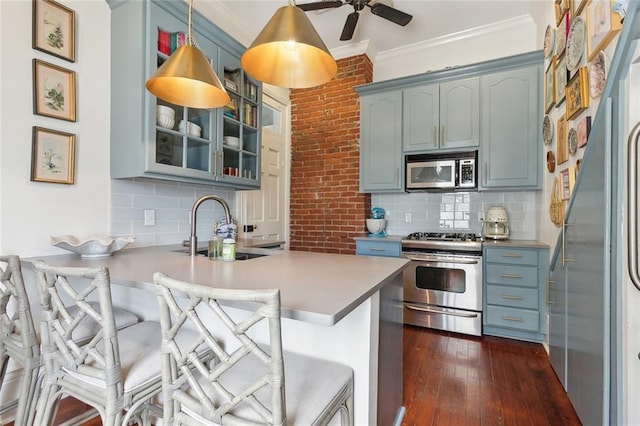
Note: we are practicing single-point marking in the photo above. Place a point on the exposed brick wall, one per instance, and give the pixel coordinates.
(327, 210)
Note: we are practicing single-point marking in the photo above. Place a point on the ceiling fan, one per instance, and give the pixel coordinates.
(377, 8)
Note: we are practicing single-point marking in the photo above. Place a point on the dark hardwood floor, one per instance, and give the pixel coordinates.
(453, 379)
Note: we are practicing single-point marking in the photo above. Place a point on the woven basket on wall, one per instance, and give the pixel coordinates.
(556, 207)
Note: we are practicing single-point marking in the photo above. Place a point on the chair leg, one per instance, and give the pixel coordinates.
(346, 412)
(28, 394)
(47, 405)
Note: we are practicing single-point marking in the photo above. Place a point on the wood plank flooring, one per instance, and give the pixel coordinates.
(453, 379)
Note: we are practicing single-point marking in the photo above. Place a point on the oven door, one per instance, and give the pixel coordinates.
(451, 281)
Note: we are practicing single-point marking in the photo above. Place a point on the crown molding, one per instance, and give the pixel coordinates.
(497, 27)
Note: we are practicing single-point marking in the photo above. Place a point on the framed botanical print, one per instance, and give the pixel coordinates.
(52, 156)
(583, 128)
(577, 93)
(54, 29)
(54, 91)
(549, 88)
(602, 25)
(561, 76)
(568, 179)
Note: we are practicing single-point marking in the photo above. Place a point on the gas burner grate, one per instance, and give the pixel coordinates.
(443, 236)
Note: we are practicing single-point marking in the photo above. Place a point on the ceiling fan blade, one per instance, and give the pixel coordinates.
(349, 26)
(324, 4)
(391, 14)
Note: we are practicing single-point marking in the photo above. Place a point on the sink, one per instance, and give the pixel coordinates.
(239, 254)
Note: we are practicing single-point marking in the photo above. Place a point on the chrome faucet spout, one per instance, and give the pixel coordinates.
(193, 239)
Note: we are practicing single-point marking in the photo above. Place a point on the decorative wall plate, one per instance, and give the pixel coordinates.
(551, 161)
(575, 43)
(573, 141)
(547, 130)
(549, 41)
(597, 74)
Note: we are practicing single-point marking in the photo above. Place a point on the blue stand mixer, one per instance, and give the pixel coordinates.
(376, 223)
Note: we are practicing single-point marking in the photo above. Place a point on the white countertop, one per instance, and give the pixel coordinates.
(314, 287)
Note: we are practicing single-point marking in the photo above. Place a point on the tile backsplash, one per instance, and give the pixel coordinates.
(172, 203)
(441, 212)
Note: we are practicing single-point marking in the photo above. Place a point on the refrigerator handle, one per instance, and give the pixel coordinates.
(632, 199)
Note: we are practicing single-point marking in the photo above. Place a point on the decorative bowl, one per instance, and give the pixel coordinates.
(165, 121)
(168, 111)
(93, 246)
(192, 129)
(231, 141)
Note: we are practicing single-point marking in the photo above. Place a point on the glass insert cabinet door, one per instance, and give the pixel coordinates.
(221, 144)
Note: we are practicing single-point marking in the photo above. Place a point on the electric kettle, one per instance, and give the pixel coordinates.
(496, 223)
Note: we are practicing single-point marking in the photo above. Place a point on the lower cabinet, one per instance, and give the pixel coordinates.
(378, 247)
(515, 292)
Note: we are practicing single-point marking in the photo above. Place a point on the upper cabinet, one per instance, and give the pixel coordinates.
(381, 142)
(156, 139)
(492, 107)
(441, 116)
(510, 115)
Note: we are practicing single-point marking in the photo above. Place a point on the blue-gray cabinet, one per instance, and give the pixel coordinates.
(381, 161)
(515, 292)
(510, 145)
(441, 116)
(378, 246)
(220, 146)
(492, 106)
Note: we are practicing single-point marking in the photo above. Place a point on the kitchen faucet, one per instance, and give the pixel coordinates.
(193, 239)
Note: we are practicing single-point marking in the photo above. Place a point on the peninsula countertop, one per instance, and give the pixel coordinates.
(314, 287)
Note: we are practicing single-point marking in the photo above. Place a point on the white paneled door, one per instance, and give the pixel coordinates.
(265, 209)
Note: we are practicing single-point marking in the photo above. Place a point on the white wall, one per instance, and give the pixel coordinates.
(33, 211)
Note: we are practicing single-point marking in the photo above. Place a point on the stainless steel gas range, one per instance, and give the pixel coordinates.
(443, 283)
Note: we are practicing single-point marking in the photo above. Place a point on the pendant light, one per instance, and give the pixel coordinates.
(187, 79)
(288, 52)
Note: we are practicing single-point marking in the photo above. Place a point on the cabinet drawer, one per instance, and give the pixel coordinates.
(512, 256)
(515, 297)
(526, 276)
(521, 319)
(378, 248)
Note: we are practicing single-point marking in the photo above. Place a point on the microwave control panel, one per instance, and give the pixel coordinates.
(467, 174)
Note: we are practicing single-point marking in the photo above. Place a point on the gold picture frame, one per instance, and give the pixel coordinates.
(562, 147)
(54, 91)
(577, 93)
(52, 156)
(561, 7)
(54, 29)
(560, 78)
(549, 88)
(602, 25)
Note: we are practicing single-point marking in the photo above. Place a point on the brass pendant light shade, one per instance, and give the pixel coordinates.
(289, 52)
(187, 79)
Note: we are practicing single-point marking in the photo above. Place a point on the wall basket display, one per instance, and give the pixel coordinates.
(577, 93)
(556, 205)
(54, 29)
(52, 156)
(602, 25)
(54, 91)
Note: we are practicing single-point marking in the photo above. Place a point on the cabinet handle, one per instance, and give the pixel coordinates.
(484, 175)
(376, 249)
(565, 259)
(518, 276)
(514, 255)
(549, 301)
(508, 318)
(397, 176)
(632, 208)
(442, 141)
(435, 135)
(509, 297)
(215, 163)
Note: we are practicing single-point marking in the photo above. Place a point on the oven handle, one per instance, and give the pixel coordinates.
(440, 259)
(438, 311)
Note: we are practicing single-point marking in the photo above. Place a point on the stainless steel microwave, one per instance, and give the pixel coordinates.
(441, 172)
